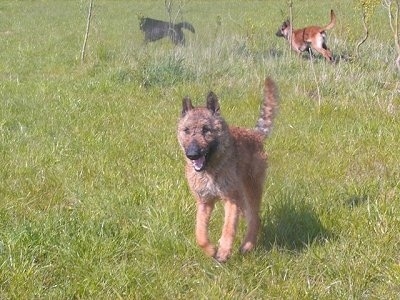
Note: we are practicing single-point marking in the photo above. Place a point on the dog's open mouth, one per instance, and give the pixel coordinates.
(199, 157)
(199, 163)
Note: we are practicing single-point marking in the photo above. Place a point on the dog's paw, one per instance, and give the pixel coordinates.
(222, 255)
(210, 250)
(246, 247)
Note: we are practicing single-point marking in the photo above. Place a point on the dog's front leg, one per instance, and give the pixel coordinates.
(204, 210)
(228, 231)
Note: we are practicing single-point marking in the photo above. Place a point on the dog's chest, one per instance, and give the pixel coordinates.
(209, 187)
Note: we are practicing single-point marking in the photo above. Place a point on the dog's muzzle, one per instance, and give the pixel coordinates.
(197, 156)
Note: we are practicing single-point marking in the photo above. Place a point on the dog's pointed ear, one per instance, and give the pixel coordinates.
(212, 103)
(186, 105)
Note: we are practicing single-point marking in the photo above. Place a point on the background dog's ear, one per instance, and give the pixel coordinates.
(186, 105)
(212, 103)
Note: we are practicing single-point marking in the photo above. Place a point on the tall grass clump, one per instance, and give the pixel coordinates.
(165, 71)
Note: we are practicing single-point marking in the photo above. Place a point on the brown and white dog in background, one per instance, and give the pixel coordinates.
(311, 36)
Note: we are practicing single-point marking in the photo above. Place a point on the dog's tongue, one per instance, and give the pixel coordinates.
(198, 164)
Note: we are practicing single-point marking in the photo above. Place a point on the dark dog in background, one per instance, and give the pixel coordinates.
(156, 29)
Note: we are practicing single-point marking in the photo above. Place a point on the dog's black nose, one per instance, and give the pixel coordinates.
(193, 152)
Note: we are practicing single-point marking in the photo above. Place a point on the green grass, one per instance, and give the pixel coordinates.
(93, 199)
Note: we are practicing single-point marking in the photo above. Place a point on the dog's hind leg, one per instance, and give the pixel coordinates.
(325, 53)
(253, 227)
(319, 45)
(177, 37)
(251, 214)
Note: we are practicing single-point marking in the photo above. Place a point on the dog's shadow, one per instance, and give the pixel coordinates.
(293, 228)
(336, 58)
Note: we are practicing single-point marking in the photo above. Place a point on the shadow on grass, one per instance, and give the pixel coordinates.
(356, 201)
(293, 228)
(336, 58)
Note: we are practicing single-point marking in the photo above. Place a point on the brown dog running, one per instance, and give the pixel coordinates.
(311, 36)
(227, 163)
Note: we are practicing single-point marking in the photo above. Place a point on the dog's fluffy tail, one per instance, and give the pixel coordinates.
(269, 108)
(186, 25)
(332, 22)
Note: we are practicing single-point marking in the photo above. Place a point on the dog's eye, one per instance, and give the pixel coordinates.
(206, 130)
(186, 130)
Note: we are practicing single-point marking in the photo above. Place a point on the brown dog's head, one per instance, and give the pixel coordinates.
(283, 31)
(200, 130)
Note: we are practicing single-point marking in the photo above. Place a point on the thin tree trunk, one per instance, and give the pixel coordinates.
(365, 36)
(291, 26)
(394, 23)
(89, 17)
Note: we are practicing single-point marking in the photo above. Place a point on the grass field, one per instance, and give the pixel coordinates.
(93, 198)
